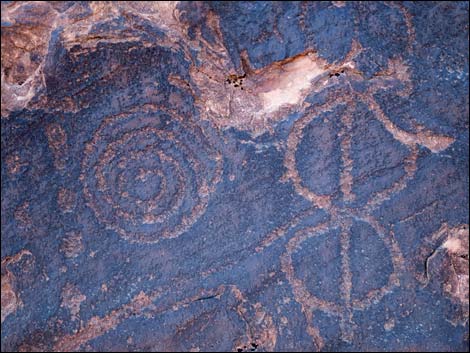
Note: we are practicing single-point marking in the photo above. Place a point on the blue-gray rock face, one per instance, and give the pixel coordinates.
(235, 176)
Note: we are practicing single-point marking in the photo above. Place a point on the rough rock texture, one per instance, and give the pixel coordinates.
(247, 176)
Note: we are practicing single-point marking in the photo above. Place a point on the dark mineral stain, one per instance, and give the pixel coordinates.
(234, 176)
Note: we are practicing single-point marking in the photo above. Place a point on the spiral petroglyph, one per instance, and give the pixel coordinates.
(148, 175)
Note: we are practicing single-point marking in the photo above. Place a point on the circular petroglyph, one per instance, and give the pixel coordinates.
(148, 174)
(349, 301)
(343, 212)
(341, 203)
(385, 147)
(347, 99)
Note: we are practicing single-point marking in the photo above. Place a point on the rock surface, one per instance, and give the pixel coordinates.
(234, 176)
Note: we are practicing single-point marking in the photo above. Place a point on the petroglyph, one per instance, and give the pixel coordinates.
(153, 152)
(15, 164)
(97, 326)
(71, 300)
(341, 217)
(338, 217)
(22, 216)
(154, 196)
(66, 200)
(344, 311)
(260, 330)
(346, 176)
(72, 244)
(435, 142)
(58, 144)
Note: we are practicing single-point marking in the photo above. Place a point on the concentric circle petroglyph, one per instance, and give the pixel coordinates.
(148, 173)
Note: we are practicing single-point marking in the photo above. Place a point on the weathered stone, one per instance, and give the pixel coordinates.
(234, 176)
